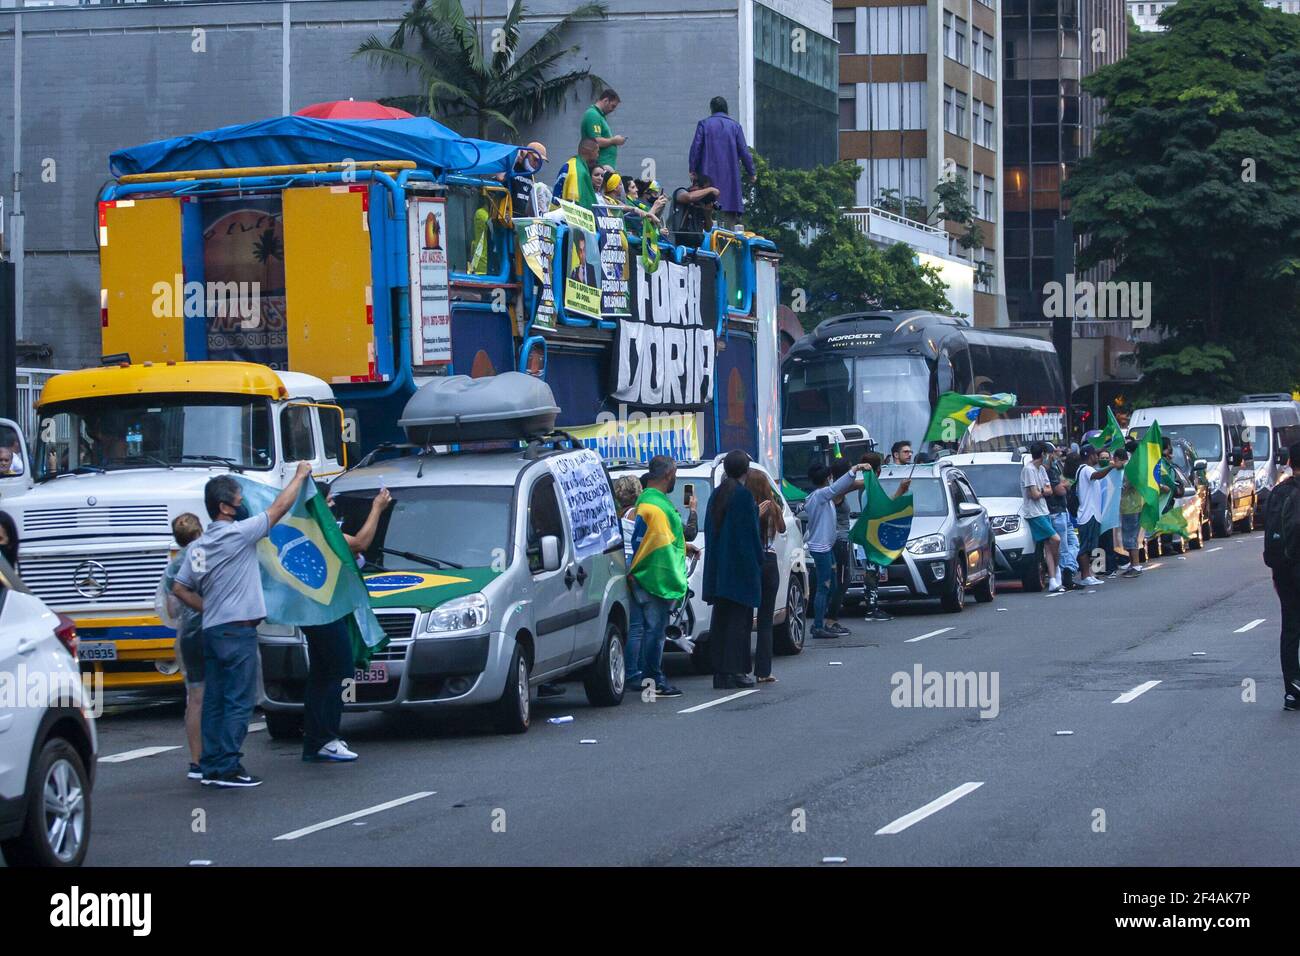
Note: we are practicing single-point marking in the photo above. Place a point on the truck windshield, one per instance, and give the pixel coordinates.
(467, 526)
(150, 431)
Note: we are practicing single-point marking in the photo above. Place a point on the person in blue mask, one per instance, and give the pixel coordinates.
(221, 580)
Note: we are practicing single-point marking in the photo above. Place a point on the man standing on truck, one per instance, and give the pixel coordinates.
(222, 581)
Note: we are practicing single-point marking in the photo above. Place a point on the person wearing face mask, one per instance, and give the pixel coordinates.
(1059, 511)
(9, 539)
(523, 197)
(221, 580)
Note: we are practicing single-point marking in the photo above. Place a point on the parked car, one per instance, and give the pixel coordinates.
(47, 737)
(950, 549)
(794, 584)
(493, 570)
(995, 476)
(1217, 432)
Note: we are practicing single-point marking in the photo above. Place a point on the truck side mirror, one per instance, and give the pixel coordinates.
(550, 553)
(1237, 457)
(1282, 457)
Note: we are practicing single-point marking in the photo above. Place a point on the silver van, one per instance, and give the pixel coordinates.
(1271, 429)
(492, 571)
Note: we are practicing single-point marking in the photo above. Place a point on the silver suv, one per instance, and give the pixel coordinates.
(950, 549)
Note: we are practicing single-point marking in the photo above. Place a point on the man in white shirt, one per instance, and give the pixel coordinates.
(1035, 488)
(1088, 481)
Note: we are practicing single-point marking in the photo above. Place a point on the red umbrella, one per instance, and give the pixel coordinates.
(353, 110)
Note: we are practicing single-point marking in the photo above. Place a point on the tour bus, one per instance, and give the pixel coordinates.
(119, 453)
(886, 370)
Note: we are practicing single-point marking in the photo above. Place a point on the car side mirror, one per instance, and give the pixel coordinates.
(1200, 465)
(550, 553)
(1282, 457)
(968, 510)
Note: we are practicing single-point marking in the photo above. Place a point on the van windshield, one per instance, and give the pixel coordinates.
(434, 525)
(928, 499)
(151, 431)
(994, 481)
(1206, 440)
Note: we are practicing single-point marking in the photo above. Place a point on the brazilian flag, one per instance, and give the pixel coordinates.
(792, 492)
(1144, 472)
(954, 414)
(1171, 521)
(658, 549)
(650, 251)
(1111, 438)
(309, 575)
(885, 523)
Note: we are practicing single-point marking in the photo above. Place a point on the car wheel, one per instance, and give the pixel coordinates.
(511, 713)
(283, 726)
(987, 589)
(1034, 578)
(788, 637)
(603, 681)
(1222, 522)
(56, 829)
(701, 661)
(1248, 522)
(955, 600)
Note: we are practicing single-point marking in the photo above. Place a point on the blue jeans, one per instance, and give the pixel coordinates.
(825, 565)
(329, 660)
(645, 641)
(230, 679)
(1069, 542)
(1130, 525)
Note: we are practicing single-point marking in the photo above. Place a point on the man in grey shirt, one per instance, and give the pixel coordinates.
(221, 580)
(819, 537)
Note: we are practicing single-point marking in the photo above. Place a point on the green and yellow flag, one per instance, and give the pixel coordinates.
(954, 414)
(792, 492)
(1111, 438)
(1143, 472)
(885, 523)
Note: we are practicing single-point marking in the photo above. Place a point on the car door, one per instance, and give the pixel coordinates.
(553, 593)
(592, 576)
(979, 555)
(25, 654)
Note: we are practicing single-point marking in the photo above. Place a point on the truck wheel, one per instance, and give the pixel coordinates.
(788, 637)
(511, 713)
(283, 726)
(56, 828)
(954, 601)
(603, 680)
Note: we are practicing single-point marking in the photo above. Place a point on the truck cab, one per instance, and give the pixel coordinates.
(120, 452)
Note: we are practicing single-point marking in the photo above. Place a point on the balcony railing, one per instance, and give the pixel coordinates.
(882, 225)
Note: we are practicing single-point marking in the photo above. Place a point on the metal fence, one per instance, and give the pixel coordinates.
(30, 383)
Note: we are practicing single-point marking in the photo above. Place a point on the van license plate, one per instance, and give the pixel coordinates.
(100, 651)
(374, 674)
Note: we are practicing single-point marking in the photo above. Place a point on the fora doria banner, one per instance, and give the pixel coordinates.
(665, 350)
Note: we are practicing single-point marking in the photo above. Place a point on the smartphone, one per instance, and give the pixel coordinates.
(688, 492)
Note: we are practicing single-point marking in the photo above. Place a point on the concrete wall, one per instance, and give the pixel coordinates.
(97, 79)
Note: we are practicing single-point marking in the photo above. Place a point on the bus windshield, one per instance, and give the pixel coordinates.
(892, 397)
(150, 431)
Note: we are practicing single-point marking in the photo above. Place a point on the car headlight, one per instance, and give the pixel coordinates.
(460, 614)
(1006, 524)
(928, 544)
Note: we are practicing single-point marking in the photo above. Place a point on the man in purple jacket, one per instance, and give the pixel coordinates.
(718, 148)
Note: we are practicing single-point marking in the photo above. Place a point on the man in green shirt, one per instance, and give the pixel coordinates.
(595, 124)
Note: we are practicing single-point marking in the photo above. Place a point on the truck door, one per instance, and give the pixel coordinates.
(15, 463)
(298, 439)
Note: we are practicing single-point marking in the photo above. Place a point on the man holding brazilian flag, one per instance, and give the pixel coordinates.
(1149, 477)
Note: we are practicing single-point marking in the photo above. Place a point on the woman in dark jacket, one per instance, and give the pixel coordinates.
(733, 570)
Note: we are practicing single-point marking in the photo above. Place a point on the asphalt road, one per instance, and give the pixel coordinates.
(1185, 772)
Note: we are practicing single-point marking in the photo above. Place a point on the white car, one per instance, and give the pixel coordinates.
(793, 589)
(995, 476)
(47, 734)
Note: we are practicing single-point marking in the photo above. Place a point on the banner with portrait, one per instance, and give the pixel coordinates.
(537, 247)
(582, 262)
(611, 236)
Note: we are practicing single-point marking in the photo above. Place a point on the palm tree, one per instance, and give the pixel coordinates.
(449, 53)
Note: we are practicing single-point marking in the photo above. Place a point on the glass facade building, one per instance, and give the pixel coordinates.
(796, 92)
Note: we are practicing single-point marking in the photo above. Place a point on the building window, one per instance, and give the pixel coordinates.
(981, 197)
(896, 106)
(894, 30)
(846, 30)
(848, 107)
(983, 131)
(982, 48)
(954, 111)
(985, 261)
(954, 38)
(897, 178)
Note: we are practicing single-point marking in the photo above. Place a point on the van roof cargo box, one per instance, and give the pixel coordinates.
(509, 406)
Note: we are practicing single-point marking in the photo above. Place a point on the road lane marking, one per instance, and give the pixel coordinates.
(942, 630)
(720, 700)
(136, 754)
(1153, 565)
(1212, 550)
(349, 817)
(934, 806)
(1249, 627)
(1135, 693)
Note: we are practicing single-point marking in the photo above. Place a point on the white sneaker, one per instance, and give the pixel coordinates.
(1054, 585)
(1090, 582)
(335, 750)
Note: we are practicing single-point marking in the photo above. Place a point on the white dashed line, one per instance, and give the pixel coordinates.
(136, 754)
(1249, 627)
(1136, 692)
(942, 630)
(720, 700)
(349, 817)
(1212, 550)
(934, 806)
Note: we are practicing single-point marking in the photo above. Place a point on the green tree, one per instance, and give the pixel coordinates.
(1193, 185)
(475, 78)
(1191, 375)
(827, 266)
